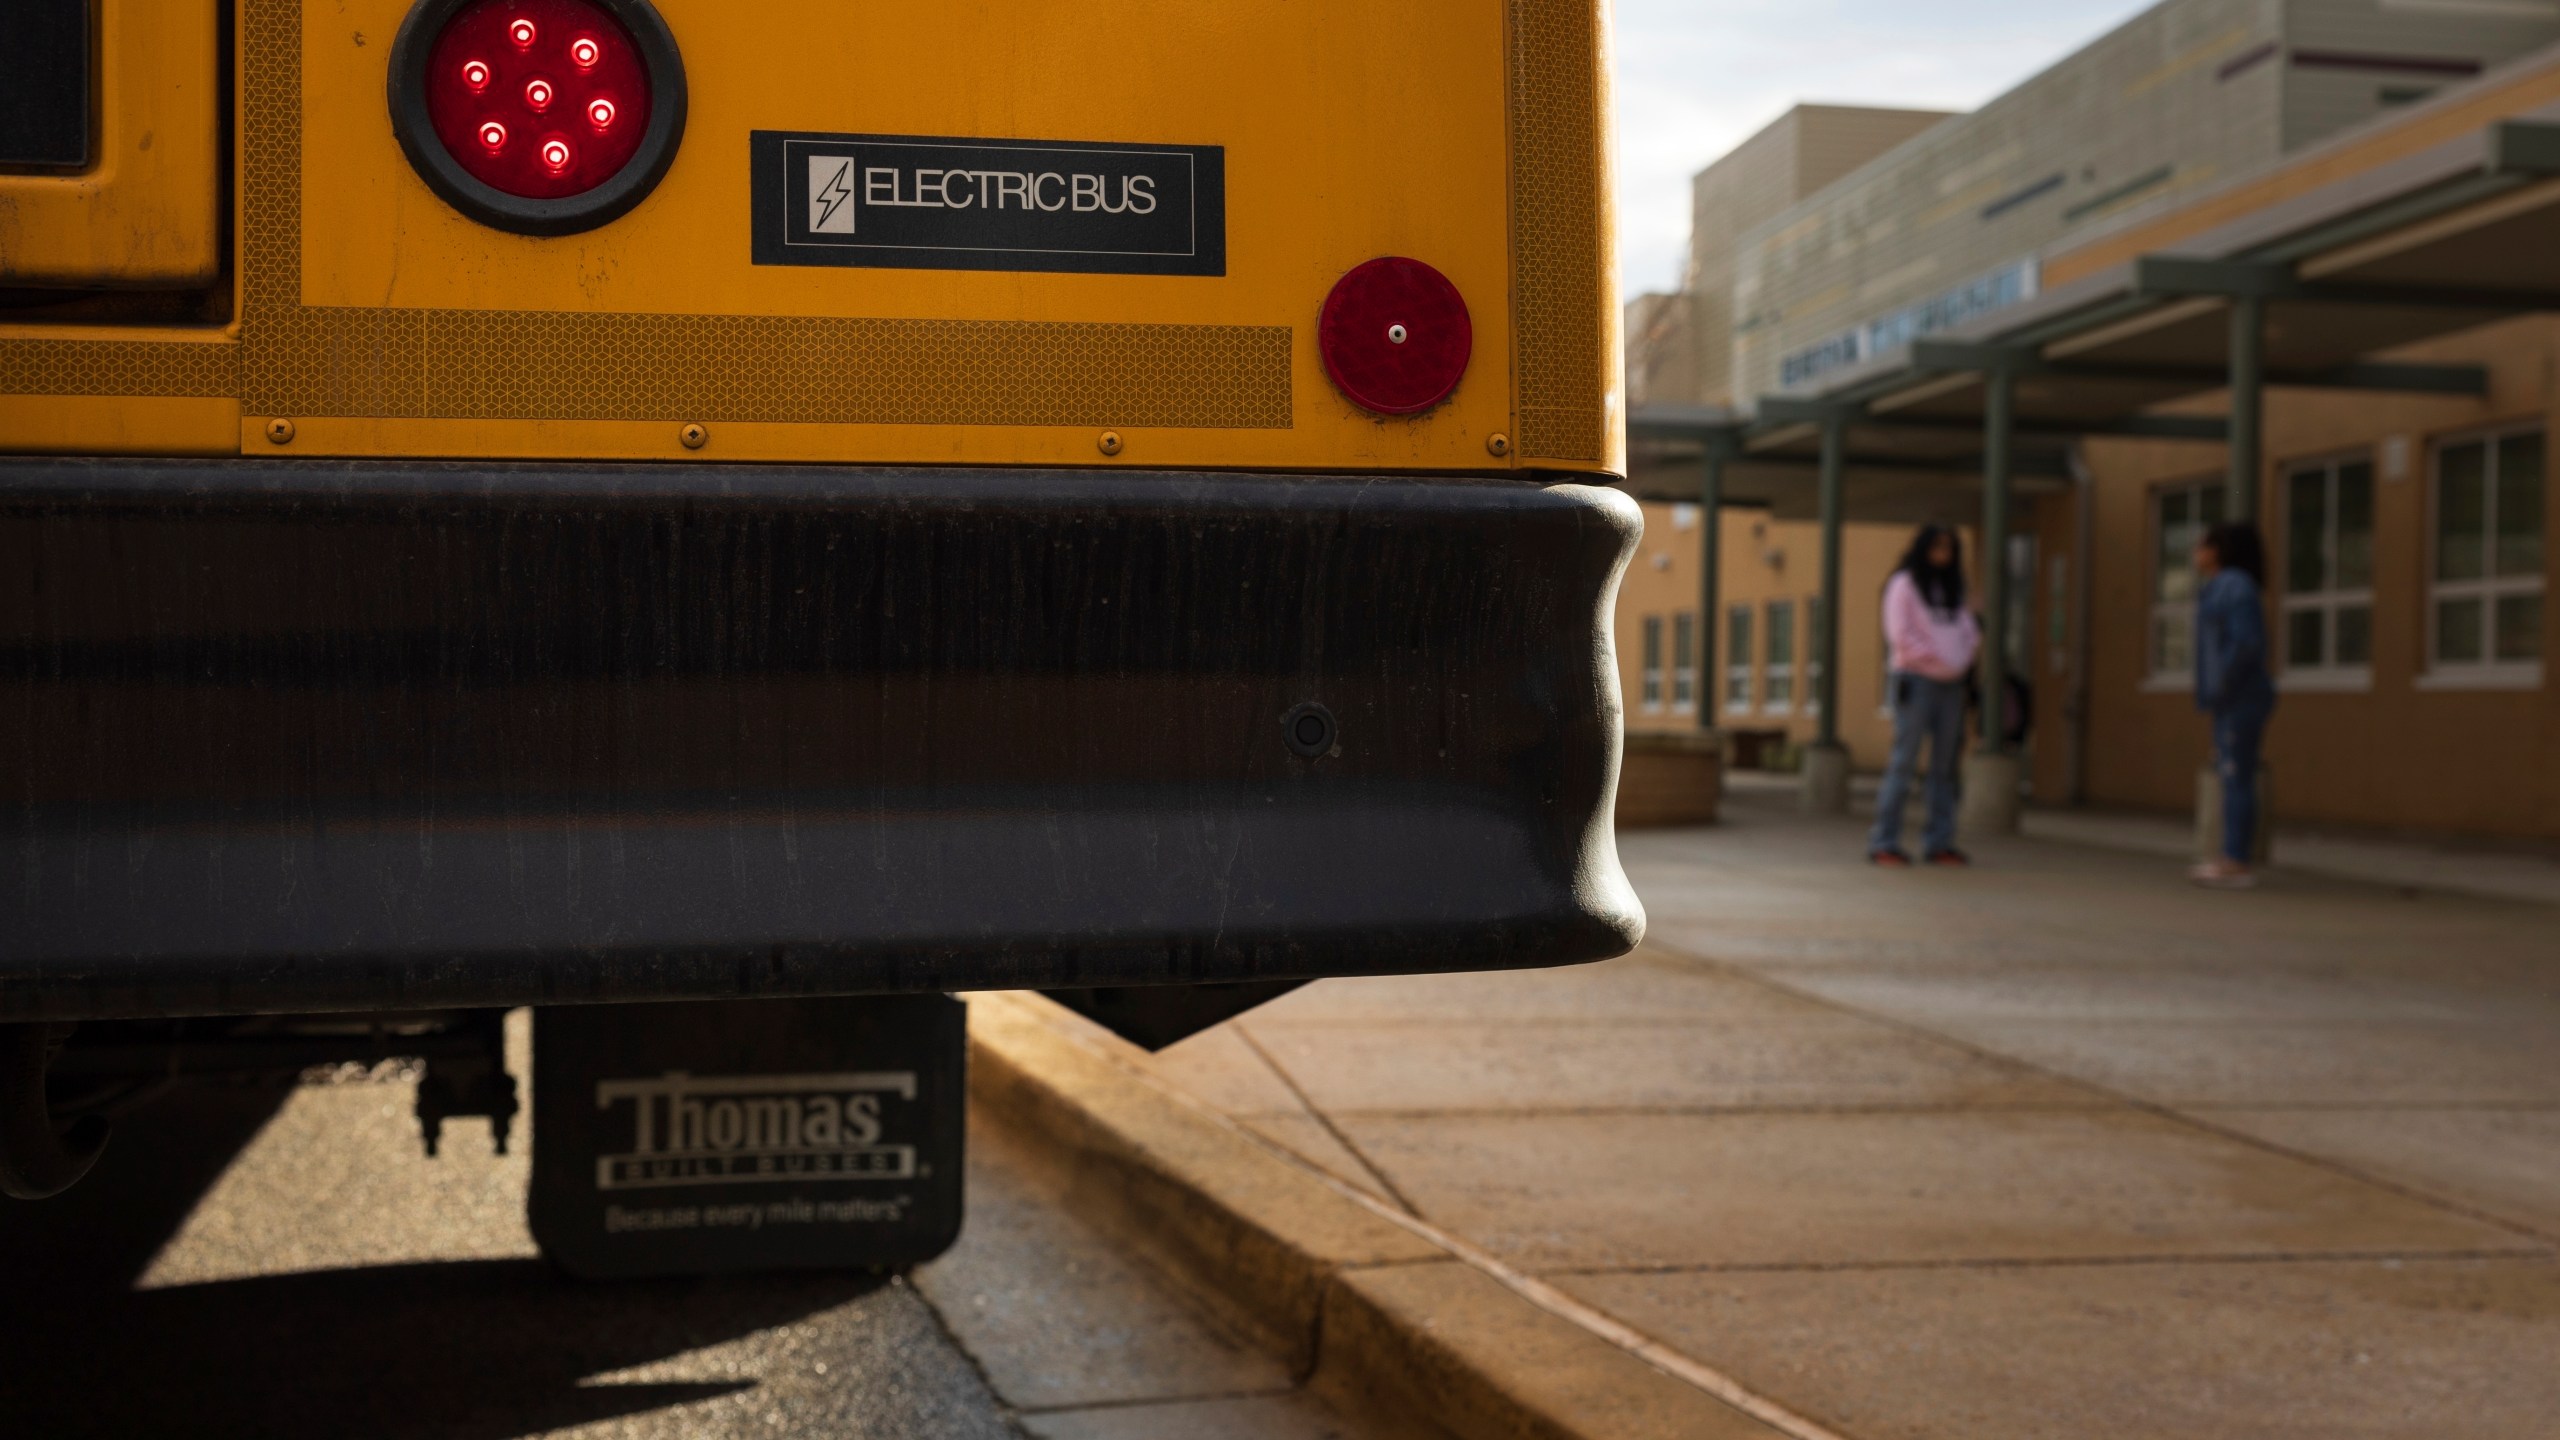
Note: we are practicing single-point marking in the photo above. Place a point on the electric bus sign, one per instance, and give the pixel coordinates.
(937, 203)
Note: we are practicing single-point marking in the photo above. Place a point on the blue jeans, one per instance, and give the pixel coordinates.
(1923, 710)
(2237, 735)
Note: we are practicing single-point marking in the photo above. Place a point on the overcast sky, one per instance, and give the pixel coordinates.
(1697, 77)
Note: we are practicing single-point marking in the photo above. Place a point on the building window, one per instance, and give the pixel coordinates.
(1684, 663)
(2022, 607)
(1653, 664)
(1778, 671)
(2328, 572)
(1815, 638)
(2179, 517)
(2484, 605)
(1737, 658)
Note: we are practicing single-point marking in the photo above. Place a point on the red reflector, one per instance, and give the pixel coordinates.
(1395, 336)
(549, 52)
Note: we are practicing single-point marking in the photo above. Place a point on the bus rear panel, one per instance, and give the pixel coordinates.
(1043, 495)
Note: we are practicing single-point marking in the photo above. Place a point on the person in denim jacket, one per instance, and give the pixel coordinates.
(2234, 688)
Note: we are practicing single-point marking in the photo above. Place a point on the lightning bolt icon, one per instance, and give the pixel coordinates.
(832, 195)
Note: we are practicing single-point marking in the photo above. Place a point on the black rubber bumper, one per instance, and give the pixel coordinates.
(310, 736)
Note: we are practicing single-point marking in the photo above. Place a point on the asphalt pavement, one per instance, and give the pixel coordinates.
(281, 1261)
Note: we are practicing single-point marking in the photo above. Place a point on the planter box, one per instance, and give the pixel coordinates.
(1670, 779)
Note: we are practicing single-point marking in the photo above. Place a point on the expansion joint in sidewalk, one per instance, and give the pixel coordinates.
(1349, 1147)
(2061, 1262)
(1590, 1112)
(1148, 1402)
(1717, 1385)
(2158, 1110)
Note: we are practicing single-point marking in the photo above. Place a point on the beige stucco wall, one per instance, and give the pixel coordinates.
(2401, 753)
(1762, 560)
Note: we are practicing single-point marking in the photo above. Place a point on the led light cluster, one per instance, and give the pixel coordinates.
(538, 98)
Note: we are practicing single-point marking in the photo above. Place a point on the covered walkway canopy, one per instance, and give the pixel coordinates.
(2306, 275)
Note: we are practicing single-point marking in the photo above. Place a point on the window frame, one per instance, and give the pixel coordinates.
(2155, 675)
(1772, 673)
(2488, 672)
(1740, 652)
(1811, 609)
(2024, 552)
(1650, 681)
(1684, 662)
(2328, 675)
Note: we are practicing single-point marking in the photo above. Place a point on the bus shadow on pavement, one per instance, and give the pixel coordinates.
(471, 1349)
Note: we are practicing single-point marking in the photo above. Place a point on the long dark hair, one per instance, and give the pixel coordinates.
(2235, 543)
(1941, 585)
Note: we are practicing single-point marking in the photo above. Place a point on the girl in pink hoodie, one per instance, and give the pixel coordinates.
(1931, 639)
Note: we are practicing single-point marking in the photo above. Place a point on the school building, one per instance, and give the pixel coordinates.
(2294, 262)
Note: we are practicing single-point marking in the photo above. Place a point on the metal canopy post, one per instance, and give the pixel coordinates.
(1999, 395)
(1830, 420)
(1706, 691)
(1990, 804)
(2248, 400)
(1826, 636)
(1826, 764)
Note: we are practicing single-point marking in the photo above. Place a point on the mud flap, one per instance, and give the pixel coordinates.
(696, 1138)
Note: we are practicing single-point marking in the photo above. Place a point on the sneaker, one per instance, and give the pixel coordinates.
(1889, 859)
(1950, 856)
(2223, 875)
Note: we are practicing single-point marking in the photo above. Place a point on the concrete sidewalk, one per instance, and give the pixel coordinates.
(2058, 1146)
(2486, 869)
(2491, 871)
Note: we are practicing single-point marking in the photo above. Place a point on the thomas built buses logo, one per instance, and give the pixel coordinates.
(746, 1129)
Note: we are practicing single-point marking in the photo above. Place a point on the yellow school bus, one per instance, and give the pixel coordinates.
(515, 502)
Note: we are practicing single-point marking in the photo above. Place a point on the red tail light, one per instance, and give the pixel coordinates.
(521, 45)
(541, 116)
(1395, 336)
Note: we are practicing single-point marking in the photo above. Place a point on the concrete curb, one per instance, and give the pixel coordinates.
(1394, 1325)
